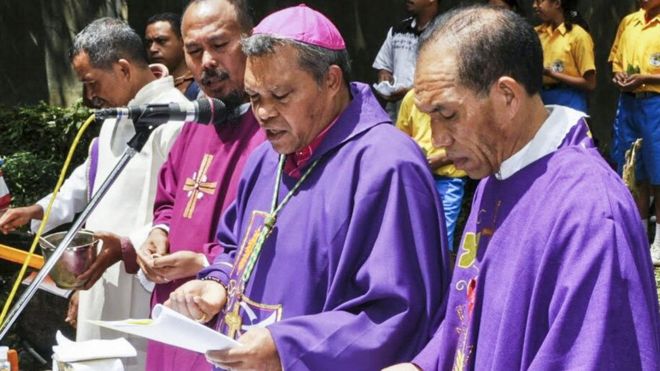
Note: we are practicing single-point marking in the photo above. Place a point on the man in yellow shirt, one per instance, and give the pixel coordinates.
(635, 58)
(449, 181)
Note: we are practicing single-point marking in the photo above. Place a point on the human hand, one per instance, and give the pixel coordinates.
(619, 78)
(72, 311)
(156, 245)
(438, 157)
(385, 75)
(180, 264)
(438, 160)
(632, 82)
(547, 71)
(18, 217)
(110, 254)
(397, 95)
(198, 299)
(403, 367)
(256, 352)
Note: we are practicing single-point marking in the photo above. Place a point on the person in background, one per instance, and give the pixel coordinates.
(321, 271)
(396, 58)
(110, 60)
(553, 272)
(164, 44)
(449, 181)
(635, 58)
(569, 72)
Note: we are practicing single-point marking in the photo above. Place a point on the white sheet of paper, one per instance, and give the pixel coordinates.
(70, 351)
(90, 355)
(387, 88)
(170, 327)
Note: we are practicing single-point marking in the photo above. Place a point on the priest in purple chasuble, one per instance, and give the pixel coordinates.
(554, 270)
(200, 177)
(334, 252)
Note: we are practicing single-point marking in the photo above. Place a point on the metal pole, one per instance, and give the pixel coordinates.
(18, 308)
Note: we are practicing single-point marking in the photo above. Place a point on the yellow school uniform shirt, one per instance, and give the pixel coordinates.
(569, 52)
(636, 48)
(417, 125)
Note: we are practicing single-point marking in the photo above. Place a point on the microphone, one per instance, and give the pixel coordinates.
(203, 111)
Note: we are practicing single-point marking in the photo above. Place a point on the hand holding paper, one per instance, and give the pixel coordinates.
(198, 299)
(387, 88)
(257, 352)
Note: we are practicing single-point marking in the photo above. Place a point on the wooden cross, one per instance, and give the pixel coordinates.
(197, 186)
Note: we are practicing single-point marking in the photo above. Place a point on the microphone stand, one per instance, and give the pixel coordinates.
(143, 129)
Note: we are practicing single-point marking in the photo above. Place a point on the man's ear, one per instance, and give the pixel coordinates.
(508, 93)
(124, 68)
(558, 4)
(334, 78)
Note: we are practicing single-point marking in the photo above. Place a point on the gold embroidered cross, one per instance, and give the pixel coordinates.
(197, 186)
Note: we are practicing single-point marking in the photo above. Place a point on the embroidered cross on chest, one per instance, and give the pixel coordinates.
(197, 186)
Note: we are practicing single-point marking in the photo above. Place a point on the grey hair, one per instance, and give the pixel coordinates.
(314, 59)
(489, 43)
(106, 40)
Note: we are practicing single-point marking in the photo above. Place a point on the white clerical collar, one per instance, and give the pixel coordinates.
(547, 140)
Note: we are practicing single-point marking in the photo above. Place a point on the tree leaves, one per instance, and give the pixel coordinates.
(34, 142)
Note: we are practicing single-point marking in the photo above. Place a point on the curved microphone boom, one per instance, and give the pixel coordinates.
(203, 111)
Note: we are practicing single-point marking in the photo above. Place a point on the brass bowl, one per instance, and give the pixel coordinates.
(76, 259)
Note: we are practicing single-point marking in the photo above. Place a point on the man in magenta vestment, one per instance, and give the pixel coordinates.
(199, 179)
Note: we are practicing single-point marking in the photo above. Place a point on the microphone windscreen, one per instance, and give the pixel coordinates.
(211, 111)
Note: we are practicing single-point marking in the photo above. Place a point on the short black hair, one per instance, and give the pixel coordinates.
(243, 13)
(172, 18)
(490, 43)
(107, 40)
(572, 15)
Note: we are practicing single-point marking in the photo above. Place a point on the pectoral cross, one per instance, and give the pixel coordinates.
(197, 186)
(233, 321)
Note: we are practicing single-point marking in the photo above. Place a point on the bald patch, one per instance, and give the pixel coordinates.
(208, 12)
(461, 28)
(237, 9)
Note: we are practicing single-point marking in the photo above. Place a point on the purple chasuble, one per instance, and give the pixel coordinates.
(198, 181)
(356, 265)
(554, 273)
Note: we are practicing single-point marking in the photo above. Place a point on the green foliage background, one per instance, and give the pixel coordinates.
(34, 142)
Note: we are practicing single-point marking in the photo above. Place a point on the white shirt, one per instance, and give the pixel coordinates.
(398, 54)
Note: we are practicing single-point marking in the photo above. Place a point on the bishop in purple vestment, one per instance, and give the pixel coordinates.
(352, 265)
(554, 271)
